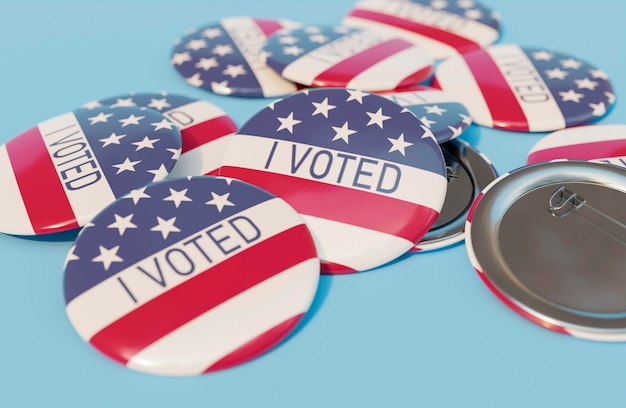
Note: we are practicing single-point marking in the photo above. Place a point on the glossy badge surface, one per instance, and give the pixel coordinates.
(440, 113)
(444, 27)
(59, 174)
(368, 181)
(548, 239)
(190, 275)
(599, 143)
(204, 127)
(336, 56)
(225, 57)
(526, 89)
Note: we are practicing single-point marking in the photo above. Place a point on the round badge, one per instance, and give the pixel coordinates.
(445, 28)
(190, 275)
(548, 239)
(226, 58)
(204, 127)
(599, 143)
(327, 56)
(526, 89)
(469, 172)
(441, 114)
(368, 181)
(59, 174)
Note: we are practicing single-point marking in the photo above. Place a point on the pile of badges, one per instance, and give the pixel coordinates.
(202, 243)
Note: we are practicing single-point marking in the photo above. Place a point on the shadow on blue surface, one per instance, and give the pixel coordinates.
(65, 236)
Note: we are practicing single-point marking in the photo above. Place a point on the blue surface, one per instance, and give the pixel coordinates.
(422, 331)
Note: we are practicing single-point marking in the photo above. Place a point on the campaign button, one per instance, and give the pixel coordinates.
(367, 179)
(204, 127)
(59, 174)
(338, 56)
(526, 89)
(190, 275)
(226, 57)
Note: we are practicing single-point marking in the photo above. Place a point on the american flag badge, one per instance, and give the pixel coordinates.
(444, 27)
(338, 56)
(204, 127)
(58, 175)
(190, 275)
(438, 112)
(517, 88)
(602, 143)
(226, 57)
(368, 180)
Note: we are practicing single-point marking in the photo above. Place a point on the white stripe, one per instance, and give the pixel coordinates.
(537, 102)
(588, 335)
(414, 98)
(202, 159)
(108, 301)
(455, 77)
(252, 152)
(75, 173)
(581, 134)
(195, 346)
(353, 246)
(13, 217)
(193, 113)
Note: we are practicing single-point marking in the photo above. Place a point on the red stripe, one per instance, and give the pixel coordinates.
(268, 27)
(207, 131)
(133, 332)
(470, 213)
(411, 80)
(582, 151)
(350, 206)
(332, 268)
(43, 195)
(461, 44)
(503, 105)
(257, 346)
(343, 72)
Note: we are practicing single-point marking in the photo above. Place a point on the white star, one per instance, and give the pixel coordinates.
(426, 121)
(211, 33)
(598, 73)
(466, 119)
(123, 102)
(165, 227)
(221, 87)
(160, 173)
(435, 109)
(439, 4)
(377, 118)
(599, 109)
(398, 145)
(145, 143)
(101, 117)
(293, 50)
(131, 120)
(195, 80)
(322, 108)
(465, 3)
(571, 63)
(197, 44)
(126, 165)
(287, 39)
(586, 83)
(207, 63)
(177, 197)
(113, 139)
(456, 132)
(158, 104)
(556, 73)
(342, 29)
(71, 256)
(610, 97)
(107, 256)
(175, 153)
(96, 104)
(356, 95)
(318, 38)
(163, 124)
(288, 123)
(428, 133)
(474, 14)
(542, 55)
(571, 95)
(222, 50)
(180, 58)
(234, 70)
(137, 195)
(343, 132)
(122, 223)
(312, 29)
(220, 201)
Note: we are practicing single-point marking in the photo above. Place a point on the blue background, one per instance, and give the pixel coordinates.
(422, 331)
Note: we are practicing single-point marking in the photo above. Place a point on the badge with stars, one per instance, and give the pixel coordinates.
(511, 87)
(441, 114)
(59, 174)
(204, 127)
(190, 275)
(226, 57)
(338, 56)
(368, 180)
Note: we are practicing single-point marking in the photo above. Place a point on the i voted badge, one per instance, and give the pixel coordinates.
(338, 56)
(190, 275)
(58, 175)
(526, 89)
(204, 127)
(444, 27)
(226, 57)
(441, 114)
(359, 168)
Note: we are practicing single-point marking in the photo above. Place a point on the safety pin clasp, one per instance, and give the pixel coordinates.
(563, 202)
